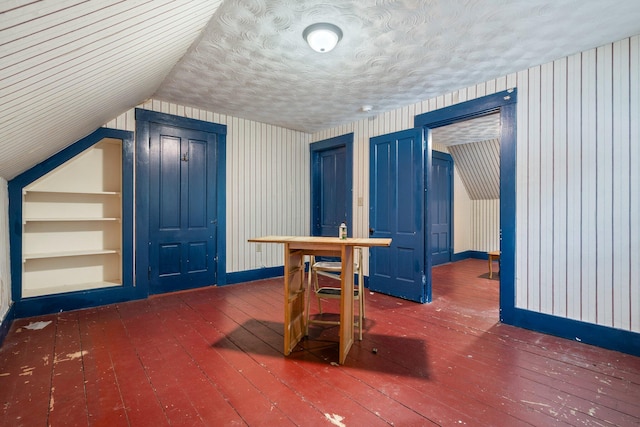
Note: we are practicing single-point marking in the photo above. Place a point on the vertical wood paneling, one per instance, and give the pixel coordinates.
(604, 183)
(634, 182)
(486, 225)
(578, 184)
(620, 189)
(533, 145)
(462, 226)
(5, 276)
(559, 186)
(574, 175)
(547, 235)
(578, 187)
(588, 180)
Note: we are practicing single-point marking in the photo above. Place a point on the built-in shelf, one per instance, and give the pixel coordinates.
(72, 228)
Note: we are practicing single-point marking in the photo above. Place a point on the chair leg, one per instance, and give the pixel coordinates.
(308, 295)
(361, 314)
(317, 286)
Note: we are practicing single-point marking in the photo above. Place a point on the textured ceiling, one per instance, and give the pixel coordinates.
(479, 129)
(252, 62)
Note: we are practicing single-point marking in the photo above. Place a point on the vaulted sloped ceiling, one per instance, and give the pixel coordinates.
(475, 147)
(478, 165)
(69, 66)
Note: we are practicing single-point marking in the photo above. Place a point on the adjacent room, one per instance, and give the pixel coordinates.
(319, 212)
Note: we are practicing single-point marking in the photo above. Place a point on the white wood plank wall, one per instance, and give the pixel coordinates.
(578, 181)
(5, 275)
(268, 182)
(578, 195)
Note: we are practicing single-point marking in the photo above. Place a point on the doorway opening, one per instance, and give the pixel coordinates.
(503, 103)
(474, 147)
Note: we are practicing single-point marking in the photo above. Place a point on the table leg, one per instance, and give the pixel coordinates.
(490, 266)
(346, 305)
(294, 298)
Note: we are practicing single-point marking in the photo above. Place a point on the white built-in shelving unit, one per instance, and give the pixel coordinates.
(72, 224)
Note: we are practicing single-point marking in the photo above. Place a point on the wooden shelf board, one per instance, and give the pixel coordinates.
(69, 254)
(90, 193)
(26, 220)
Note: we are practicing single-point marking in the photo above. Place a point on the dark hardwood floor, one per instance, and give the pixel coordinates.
(213, 357)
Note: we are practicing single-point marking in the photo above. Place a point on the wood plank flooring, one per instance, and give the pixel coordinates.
(213, 357)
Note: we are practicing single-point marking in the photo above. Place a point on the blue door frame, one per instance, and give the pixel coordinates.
(504, 103)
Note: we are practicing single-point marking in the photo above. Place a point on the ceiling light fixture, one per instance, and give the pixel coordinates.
(322, 37)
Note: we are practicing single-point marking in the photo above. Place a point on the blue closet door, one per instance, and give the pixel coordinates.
(182, 209)
(440, 205)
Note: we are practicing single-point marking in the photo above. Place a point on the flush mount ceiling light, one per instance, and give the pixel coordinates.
(322, 37)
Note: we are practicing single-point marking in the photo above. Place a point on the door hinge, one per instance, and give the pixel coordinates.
(424, 279)
(149, 273)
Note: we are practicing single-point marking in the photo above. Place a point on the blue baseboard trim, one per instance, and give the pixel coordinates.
(469, 254)
(257, 274)
(50, 304)
(575, 330)
(6, 323)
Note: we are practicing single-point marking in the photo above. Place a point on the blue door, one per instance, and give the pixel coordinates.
(182, 208)
(440, 204)
(397, 190)
(331, 185)
(330, 192)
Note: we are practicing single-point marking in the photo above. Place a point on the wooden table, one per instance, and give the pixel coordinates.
(295, 249)
(493, 256)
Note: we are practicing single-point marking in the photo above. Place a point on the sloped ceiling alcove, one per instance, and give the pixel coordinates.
(69, 66)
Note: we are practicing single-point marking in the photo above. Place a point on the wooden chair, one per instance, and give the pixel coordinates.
(333, 269)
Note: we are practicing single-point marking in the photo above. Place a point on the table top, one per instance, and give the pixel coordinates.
(350, 241)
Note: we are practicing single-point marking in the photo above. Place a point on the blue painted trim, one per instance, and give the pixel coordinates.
(178, 121)
(257, 274)
(75, 300)
(505, 103)
(5, 326)
(427, 216)
(143, 119)
(221, 169)
(43, 304)
(469, 254)
(315, 148)
(466, 110)
(587, 333)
